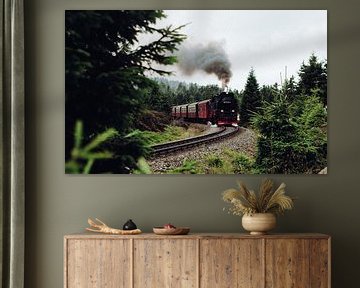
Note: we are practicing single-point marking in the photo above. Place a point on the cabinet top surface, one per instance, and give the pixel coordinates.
(87, 235)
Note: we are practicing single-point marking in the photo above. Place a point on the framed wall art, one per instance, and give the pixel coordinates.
(196, 91)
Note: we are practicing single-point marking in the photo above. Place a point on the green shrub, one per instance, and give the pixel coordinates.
(242, 164)
(292, 135)
(229, 161)
(215, 161)
(188, 167)
(226, 168)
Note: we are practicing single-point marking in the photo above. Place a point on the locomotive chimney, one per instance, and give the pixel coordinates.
(224, 86)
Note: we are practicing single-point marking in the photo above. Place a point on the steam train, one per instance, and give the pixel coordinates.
(221, 110)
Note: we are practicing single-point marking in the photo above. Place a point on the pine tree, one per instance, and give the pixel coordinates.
(251, 100)
(207, 92)
(277, 132)
(268, 93)
(313, 76)
(181, 94)
(290, 89)
(291, 143)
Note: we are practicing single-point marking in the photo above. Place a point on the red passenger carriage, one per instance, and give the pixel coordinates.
(221, 110)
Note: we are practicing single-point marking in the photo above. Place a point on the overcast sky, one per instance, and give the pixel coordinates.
(267, 40)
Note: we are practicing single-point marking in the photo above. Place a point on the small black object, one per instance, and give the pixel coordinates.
(129, 225)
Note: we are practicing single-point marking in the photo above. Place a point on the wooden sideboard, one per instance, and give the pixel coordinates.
(197, 260)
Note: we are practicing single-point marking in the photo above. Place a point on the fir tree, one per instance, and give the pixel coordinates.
(290, 89)
(251, 100)
(268, 93)
(288, 142)
(313, 76)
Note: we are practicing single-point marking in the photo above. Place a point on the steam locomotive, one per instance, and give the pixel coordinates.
(221, 110)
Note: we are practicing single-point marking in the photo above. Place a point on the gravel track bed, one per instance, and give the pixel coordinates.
(244, 141)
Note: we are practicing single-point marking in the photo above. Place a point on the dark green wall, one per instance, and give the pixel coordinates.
(57, 204)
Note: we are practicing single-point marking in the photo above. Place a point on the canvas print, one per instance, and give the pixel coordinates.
(196, 92)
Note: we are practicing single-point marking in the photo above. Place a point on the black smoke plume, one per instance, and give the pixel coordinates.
(210, 58)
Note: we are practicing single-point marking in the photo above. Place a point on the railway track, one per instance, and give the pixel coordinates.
(168, 147)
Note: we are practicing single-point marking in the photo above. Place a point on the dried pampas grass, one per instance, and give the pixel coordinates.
(245, 201)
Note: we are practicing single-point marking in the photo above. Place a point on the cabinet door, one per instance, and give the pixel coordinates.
(320, 263)
(287, 263)
(98, 263)
(231, 263)
(165, 263)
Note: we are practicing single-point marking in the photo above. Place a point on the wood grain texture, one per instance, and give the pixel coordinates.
(287, 263)
(98, 264)
(166, 263)
(319, 263)
(197, 260)
(231, 263)
(88, 235)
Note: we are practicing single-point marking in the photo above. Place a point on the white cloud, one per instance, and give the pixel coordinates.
(267, 40)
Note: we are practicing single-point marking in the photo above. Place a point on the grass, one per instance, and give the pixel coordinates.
(171, 133)
(227, 162)
(188, 167)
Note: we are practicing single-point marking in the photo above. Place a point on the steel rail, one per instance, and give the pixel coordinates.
(193, 141)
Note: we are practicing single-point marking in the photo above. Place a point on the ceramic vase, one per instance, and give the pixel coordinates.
(259, 223)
